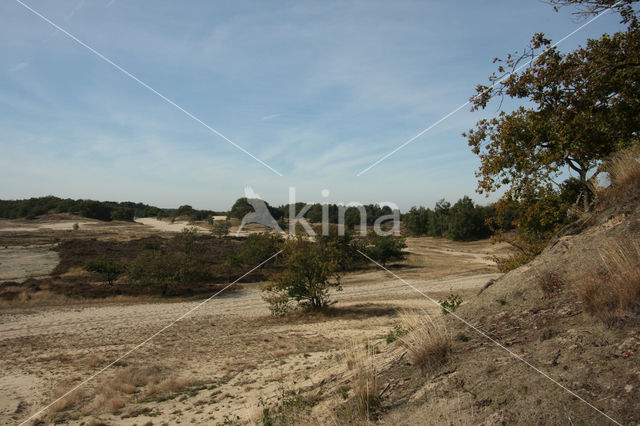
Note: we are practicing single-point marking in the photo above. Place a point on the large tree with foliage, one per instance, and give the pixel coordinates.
(581, 107)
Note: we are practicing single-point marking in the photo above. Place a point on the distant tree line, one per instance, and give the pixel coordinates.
(464, 221)
(100, 210)
(314, 214)
(193, 214)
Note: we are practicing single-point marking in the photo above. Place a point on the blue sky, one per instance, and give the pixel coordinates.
(318, 90)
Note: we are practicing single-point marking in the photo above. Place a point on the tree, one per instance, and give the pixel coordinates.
(595, 7)
(466, 222)
(106, 268)
(94, 210)
(122, 213)
(416, 221)
(439, 222)
(383, 248)
(311, 270)
(585, 106)
(221, 228)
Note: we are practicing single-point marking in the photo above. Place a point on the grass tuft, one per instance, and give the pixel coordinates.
(613, 288)
(365, 381)
(428, 342)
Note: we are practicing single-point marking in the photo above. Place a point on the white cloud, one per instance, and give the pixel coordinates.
(19, 66)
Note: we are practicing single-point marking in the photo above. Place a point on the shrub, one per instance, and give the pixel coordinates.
(221, 228)
(395, 333)
(509, 263)
(169, 271)
(450, 304)
(105, 268)
(345, 247)
(186, 241)
(613, 288)
(311, 270)
(383, 248)
(256, 249)
(428, 343)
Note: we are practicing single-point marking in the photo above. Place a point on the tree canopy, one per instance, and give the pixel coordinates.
(582, 106)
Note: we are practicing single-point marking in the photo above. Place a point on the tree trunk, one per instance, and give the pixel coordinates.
(586, 191)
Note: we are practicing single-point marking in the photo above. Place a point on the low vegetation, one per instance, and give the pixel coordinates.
(385, 248)
(364, 381)
(106, 268)
(427, 340)
(221, 228)
(612, 289)
(255, 249)
(311, 271)
(450, 303)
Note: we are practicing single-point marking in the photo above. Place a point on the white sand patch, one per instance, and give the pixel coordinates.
(18, 264)
(61, 225)
(167, 226)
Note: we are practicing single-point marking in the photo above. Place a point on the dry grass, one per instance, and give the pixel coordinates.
(69, 400)
(365, 382)
(427, 341)
(111, 394)
(624, 168)
(166, 386)
(624, 173)
(613, 288)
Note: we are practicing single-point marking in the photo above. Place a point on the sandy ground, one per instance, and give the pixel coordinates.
(167, 226)
(18, 264)
(216, 364)
(179, 226)
(57, 226)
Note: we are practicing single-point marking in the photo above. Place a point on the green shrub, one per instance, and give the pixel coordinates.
(172, 270)
(395, 333)
(105, 268)
(509, 263)
(450, 304)
(221, 228)
(311, 270)
(185, 242)
(345, 247)
(383, 248)
(166, 272)
(255, 249)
